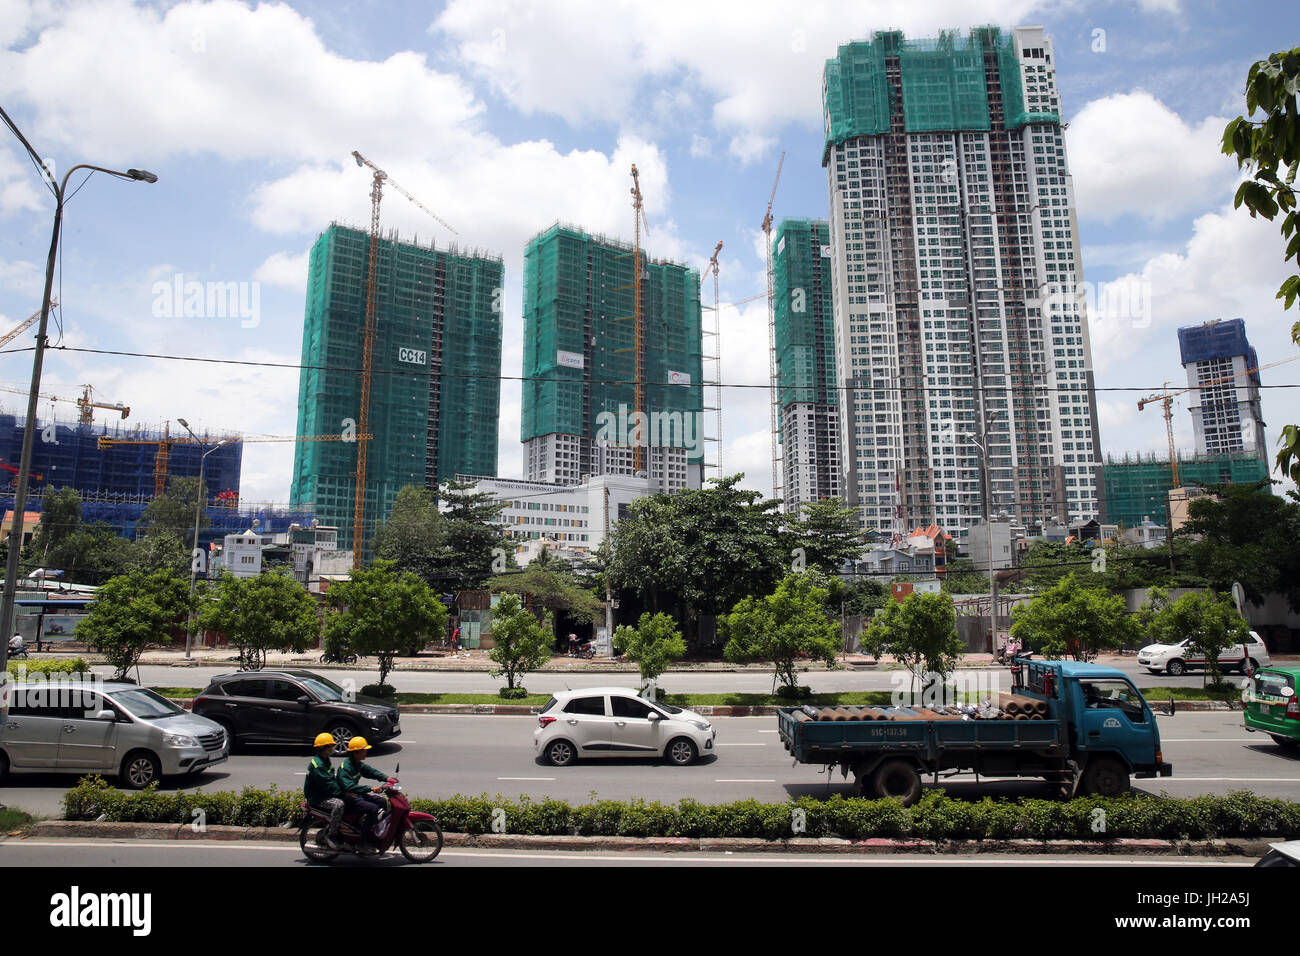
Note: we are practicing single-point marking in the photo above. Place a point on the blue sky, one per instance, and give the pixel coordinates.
(504, 116)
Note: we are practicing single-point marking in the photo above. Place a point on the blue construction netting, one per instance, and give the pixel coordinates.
(1211, 340)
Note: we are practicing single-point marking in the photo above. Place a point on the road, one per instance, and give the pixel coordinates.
(147, 853)
(680, 682)
(441, 755)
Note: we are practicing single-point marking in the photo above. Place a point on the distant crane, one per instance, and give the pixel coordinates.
(372, 272)
(84, 403)
(716, 357)
(1167, 401)
(771, 331)
(24, 325)
(638, 218)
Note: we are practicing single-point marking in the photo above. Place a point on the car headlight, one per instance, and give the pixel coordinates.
(180, 740)
(700, 724)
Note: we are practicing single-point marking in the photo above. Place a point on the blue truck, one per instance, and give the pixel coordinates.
(1096, 733)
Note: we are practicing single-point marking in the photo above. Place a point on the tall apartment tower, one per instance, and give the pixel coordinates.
(957, 283)
(435, 383)
(807, 397)
(1226, 415)
(580, 361)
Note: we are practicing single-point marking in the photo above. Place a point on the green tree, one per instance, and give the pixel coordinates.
(269, 612)
(1070, 619)
(962, 577)
(652, 645)
(1270, 149)
(414, 535)
(703, 549)
(1151, 623)
(60, 521)
(921, 634)
(550, 585)
(1249, 536)
(783, 627)
(1209, 622)
(826, 533)
(160, 551)
(521, 643)
(858, 598)
(379, 613)
(471, 542)
(132, 611)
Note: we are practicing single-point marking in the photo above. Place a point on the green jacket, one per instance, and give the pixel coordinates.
(320, 783)
(351, 772)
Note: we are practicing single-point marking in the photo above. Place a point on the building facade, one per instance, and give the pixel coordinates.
(807, 397)
(1138, 488)
(959, 308)
(580, 414)
(1223, 378)
(435, 382)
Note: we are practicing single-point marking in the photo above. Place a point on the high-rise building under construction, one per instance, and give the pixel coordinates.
(959, 304)
(435, 382)
(807, 396)
(580, 414)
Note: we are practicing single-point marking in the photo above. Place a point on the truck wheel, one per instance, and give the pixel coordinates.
(1105, 777)
(898, 780)
(1290, 743)
(1175, 668)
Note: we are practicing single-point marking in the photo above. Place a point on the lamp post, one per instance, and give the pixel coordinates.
(198, 511)
(986, 488)
(7, 620)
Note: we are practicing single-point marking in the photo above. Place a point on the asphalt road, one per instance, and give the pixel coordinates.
(146, 853)
(440, 756)
(681, 682)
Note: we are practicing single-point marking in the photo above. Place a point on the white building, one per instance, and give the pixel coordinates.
(1222, 373)
(317, 558)
(977, 541)
(572, 515)
(241, 554)
(1146, 535)
(976, 195)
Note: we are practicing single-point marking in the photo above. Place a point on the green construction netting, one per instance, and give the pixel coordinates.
(436, 362)
(942, 79)
(804, 318)
(1137, 489)
(578, 328)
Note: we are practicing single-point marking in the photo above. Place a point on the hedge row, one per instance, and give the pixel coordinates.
(935, 817)
(49, 665)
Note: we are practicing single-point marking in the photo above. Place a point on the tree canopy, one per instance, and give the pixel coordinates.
(783, 627)
(920, 633)
(132, 611)
(1071, 619)
(267, 612)
(652, 645)
(520, 643)
(1247, 536)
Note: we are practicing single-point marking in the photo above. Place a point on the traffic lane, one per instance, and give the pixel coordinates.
(197, 853)
(680, 682)
(443, 755)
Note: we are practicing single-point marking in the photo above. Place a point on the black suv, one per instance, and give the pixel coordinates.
(292, 707)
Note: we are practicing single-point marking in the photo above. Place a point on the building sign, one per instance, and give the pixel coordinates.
(412, 356)
(826, 252)
(678, 378)
(59, 627)
(780, 246)
(569, 359)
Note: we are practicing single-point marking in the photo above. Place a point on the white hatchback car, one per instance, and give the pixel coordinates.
(1177, 659)
(617, 722)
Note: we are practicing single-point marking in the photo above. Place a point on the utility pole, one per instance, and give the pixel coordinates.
(609, 599)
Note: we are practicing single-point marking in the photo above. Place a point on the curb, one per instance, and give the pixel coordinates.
(1245, 846)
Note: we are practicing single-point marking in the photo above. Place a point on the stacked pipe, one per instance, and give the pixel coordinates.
(1008, 707)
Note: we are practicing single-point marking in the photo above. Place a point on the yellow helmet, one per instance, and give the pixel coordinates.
(357, 743)
(325, 740)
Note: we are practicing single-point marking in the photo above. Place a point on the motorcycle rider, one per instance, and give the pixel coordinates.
(321, 788)
(357, 794)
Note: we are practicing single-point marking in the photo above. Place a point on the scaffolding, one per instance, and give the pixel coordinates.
(436, 365)
(1138, 488)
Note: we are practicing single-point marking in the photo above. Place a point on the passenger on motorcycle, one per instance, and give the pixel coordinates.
(356, 793)
(321, 789)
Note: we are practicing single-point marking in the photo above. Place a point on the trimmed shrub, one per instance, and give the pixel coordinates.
(512, 693)
(49, 665)
(378, 690)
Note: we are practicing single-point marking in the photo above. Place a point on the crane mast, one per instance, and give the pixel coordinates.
(777, 481)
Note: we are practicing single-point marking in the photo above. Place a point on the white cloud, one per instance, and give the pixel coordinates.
(759, 65)
(1132, 155)
(750, 147)
(284, 269)
(19, 183)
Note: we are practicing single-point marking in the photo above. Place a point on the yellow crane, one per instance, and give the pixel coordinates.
(24, 325)
(84, 403)
(379, 177)
(716, 357)
(1167, 401)
(771, 331)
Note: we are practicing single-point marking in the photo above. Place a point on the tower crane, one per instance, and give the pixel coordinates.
(771, 331)
(1167, 401)
(84, 403)
(716, 357)
(368, 346)
(638, 218)
(23, 326)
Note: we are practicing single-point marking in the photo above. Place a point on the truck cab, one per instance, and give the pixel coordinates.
(1112, 730)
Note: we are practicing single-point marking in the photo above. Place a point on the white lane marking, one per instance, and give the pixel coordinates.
(525, 778)
(721, 743)
(744, 781)
(1161, 781)
(1211, 740)
(768, 731)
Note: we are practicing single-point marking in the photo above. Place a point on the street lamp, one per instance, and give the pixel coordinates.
(985, 488)
(7, 620)
(198, 511)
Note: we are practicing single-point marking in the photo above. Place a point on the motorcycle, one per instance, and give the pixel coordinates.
(338, 657)
(1009, 652)
(586, 649)
(417, 835)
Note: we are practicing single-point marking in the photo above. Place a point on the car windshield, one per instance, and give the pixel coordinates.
(322, 688)
(668, 707)
(145, 704)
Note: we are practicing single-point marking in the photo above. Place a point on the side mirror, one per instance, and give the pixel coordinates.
(106, 715)
(304, 700)
(654, 715)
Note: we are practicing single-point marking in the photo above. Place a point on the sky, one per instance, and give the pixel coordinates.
(503, 116)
